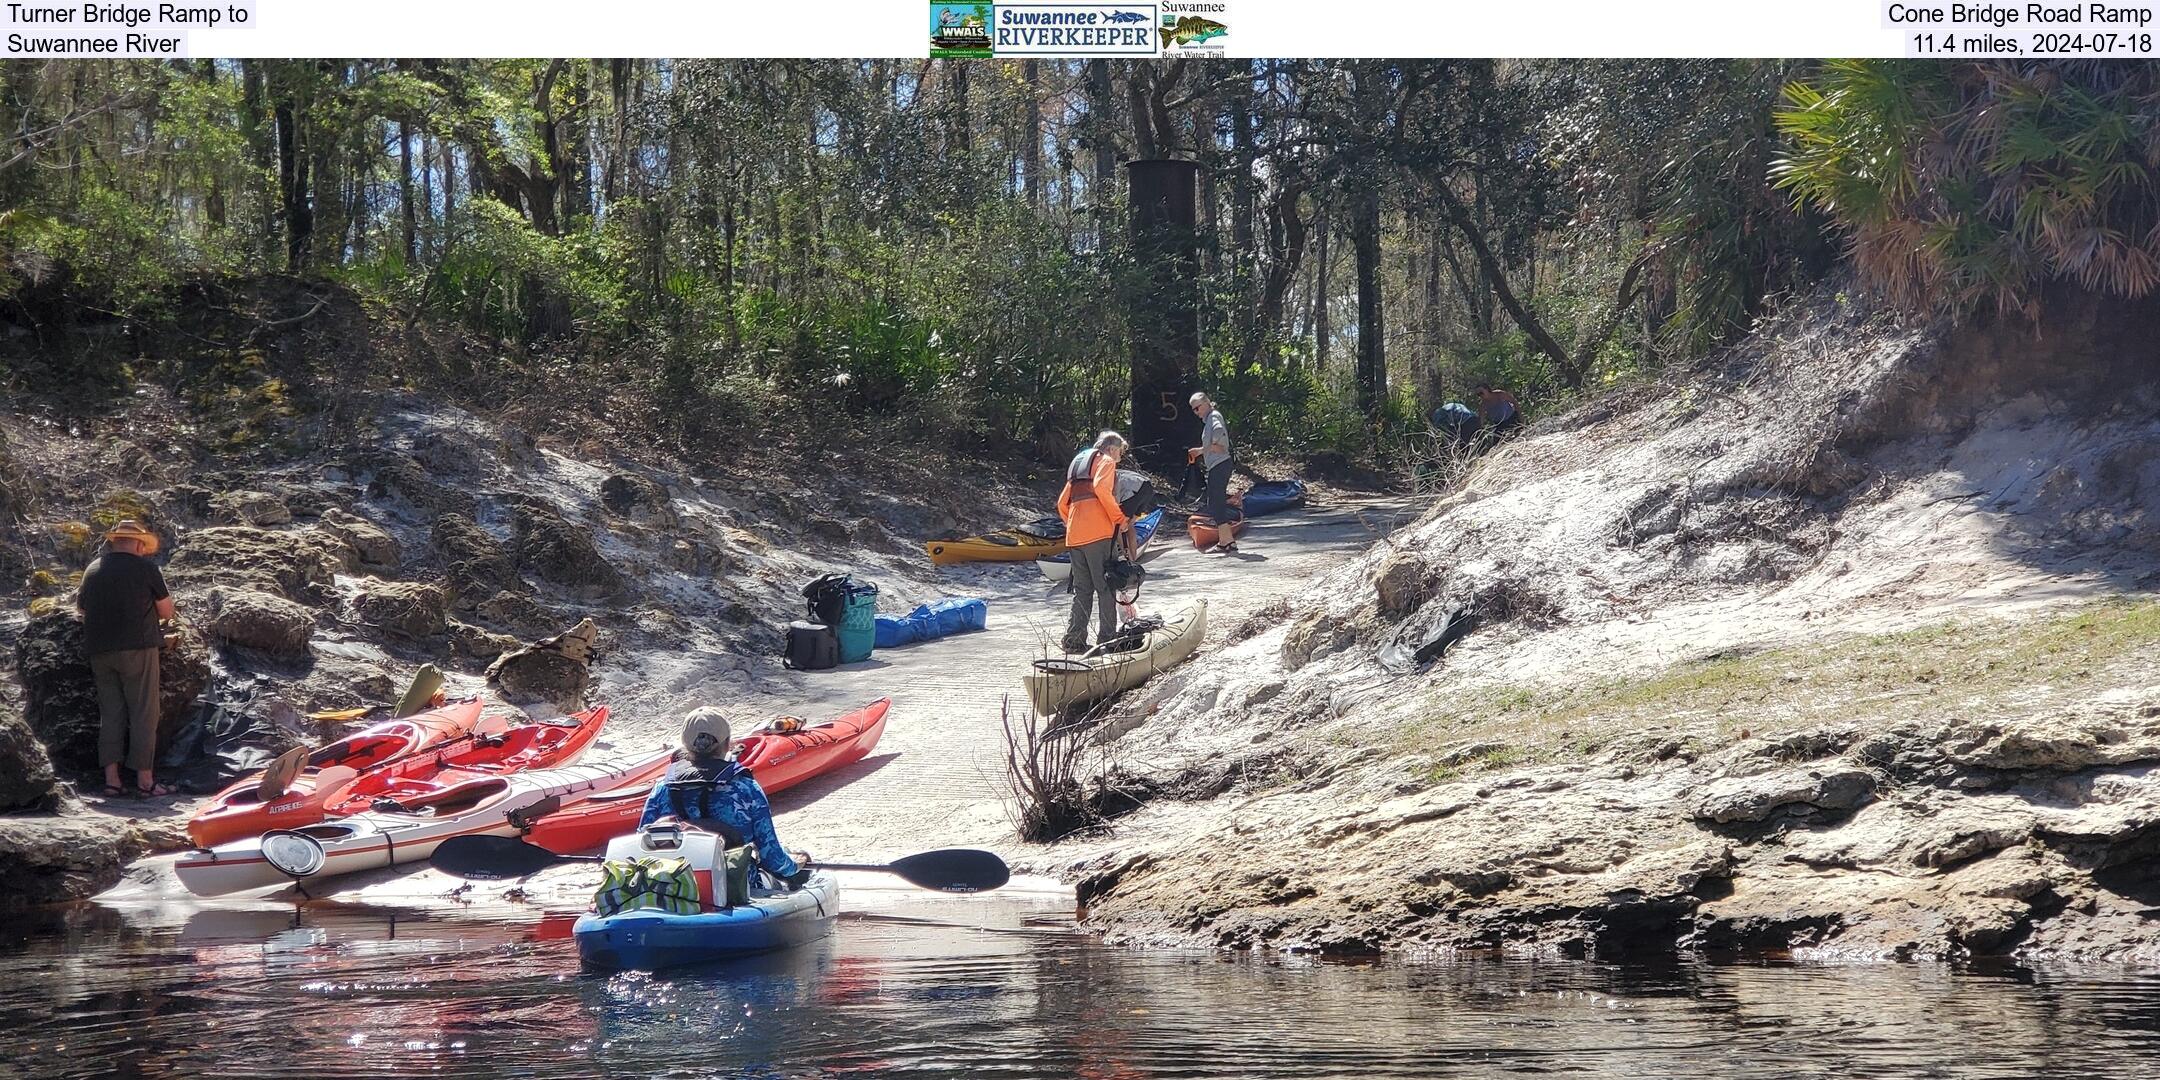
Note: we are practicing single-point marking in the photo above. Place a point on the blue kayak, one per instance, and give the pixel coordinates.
(1274, 496)
(648, 940)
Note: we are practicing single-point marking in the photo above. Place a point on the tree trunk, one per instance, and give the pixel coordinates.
(1435, 239)
(405, 194)
(1031, 157)
(1571, 373)
(1143, 117)
(448, 151)
(1102, 135)
(1242, 106)
(1371, 335)
(293, 185)
(961, 132)
(426, 177)
(727, 272)
(575, 175)
(1286, 250)
(255, 123)
(1321, 330)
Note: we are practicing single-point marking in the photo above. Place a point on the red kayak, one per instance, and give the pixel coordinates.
(246, 809)
(543, 744)
(778, 757)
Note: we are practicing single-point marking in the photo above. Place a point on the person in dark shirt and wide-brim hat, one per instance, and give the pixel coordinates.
(123, 599)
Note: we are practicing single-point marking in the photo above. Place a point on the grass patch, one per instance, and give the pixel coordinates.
(120, 506)
(53, 580)
(1950, 669)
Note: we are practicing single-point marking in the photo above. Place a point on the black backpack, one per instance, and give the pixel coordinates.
(827, 596)
(811, 647)
(1122, 574)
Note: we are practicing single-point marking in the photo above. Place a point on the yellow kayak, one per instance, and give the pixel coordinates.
(1017, 544)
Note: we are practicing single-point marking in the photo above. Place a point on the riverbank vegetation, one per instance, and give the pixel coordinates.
(942, 246)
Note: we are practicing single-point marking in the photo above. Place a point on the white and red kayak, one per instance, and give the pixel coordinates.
(483, 806)
(527, 747)
(246, 808)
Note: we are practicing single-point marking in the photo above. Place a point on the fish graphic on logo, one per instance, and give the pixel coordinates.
(1124, 17)
(1190, 30)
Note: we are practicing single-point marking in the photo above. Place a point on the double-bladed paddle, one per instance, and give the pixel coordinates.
(494, 858)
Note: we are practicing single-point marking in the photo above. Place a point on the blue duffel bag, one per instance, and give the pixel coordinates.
(955, 616)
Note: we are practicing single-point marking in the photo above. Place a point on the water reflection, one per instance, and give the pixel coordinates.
(978, 987)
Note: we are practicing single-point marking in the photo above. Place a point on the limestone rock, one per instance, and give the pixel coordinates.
(695, 557)
(374, 544)
(478, 645)
(556, 670)
(403, 479)
(26, 772)
(258, 508)
(519, 613)
(61, 701)
(2059, 743)
(295, 565)
(478, 567)
(637, 498)
(444, 453)
(560, 553)
(255, 620)
(1754, 798)
(340, 551)
(1402, 583)
(49, 860)
(402, 608)
(156, 836)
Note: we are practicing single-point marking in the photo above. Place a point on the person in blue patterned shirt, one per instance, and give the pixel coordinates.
(706, 788)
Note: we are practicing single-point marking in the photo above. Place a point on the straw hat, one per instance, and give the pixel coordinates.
(131, 529)
(706, 721)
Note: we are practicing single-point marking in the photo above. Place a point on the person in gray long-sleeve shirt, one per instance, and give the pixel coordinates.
(1214, 455)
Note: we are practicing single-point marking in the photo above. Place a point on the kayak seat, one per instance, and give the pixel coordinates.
(456, 798)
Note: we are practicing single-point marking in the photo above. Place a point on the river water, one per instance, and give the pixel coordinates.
(914, 986)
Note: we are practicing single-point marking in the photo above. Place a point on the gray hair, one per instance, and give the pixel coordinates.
(1110, 440)
(1197, 397)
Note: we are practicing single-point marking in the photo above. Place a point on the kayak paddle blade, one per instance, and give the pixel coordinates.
(491, 858)
(961, 870)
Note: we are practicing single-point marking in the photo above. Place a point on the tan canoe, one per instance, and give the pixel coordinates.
(1059, 684)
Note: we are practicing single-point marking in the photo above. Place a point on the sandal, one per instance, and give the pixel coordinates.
(154, 791)
(114, 791)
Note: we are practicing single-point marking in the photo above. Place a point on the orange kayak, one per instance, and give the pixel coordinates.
(415, 778)
(778, 759)
(240, 810)
(1205, 533)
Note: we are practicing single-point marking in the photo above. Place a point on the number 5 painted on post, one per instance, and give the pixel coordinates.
(1169, 404)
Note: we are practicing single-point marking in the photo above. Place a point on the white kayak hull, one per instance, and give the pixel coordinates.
(1058, 568)
(372, 840)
